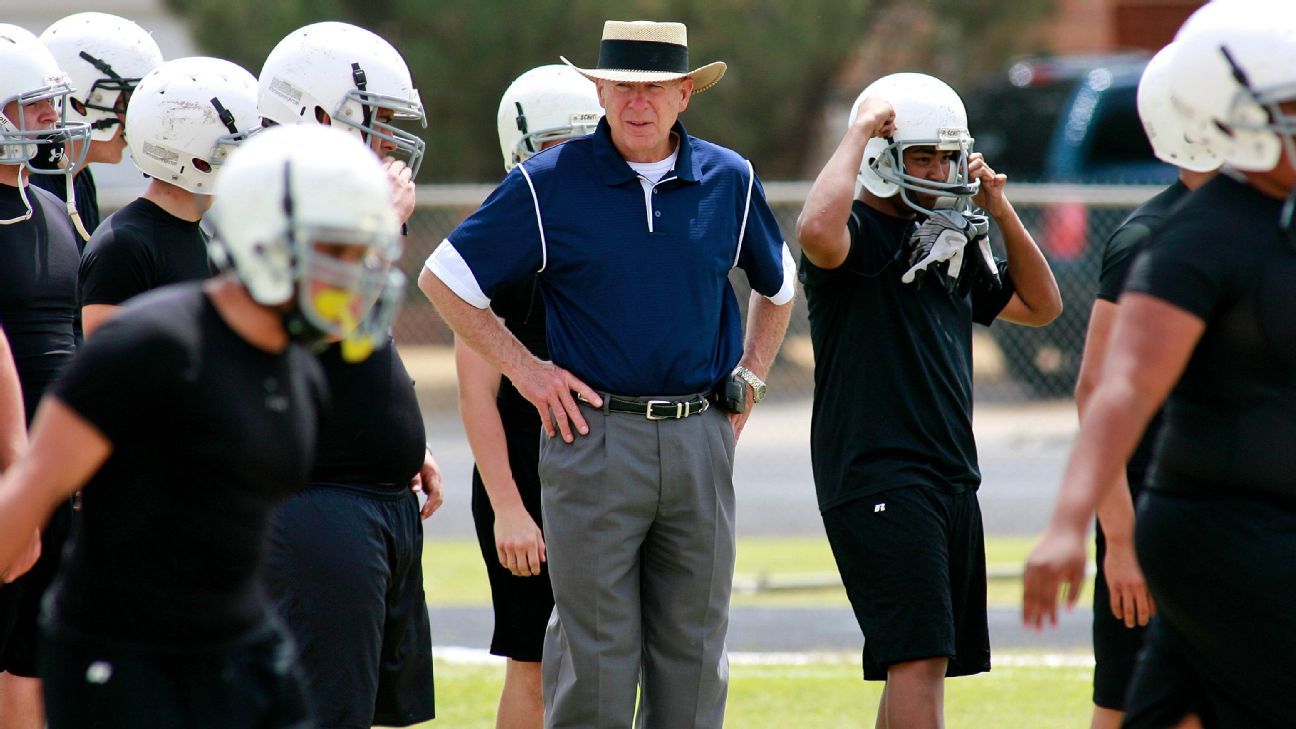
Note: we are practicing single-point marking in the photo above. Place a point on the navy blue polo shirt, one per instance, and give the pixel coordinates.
(635, 283)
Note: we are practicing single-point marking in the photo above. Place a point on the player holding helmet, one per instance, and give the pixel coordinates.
(541, 108)
(156, 239)
(345, 564)
(188, 417)
(891, 432)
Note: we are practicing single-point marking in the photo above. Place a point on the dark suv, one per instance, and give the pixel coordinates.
(1070, 119)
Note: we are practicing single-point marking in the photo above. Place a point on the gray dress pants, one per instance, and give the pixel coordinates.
(639, 528)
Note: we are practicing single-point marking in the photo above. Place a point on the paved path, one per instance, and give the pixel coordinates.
(813, 630)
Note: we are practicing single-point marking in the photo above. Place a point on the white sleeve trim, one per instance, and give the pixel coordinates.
(544, 248)
(788, 290)
(446, 264)
(742, 229)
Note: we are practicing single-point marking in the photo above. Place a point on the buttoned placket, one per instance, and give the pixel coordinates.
(649, 190)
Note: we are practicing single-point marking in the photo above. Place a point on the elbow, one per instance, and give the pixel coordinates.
(1050, 312)
(428, 282)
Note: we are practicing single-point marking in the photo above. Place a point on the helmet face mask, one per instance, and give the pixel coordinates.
(371, 126)
(29, 76)
(546, 104)
(928, 114)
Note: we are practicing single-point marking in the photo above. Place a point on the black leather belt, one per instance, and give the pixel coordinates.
(655, 409)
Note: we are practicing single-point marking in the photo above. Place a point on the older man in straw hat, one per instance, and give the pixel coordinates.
(633, 231)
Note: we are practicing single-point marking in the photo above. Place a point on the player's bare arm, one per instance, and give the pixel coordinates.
(1136, 379)
(821, 228)
(1037, 300)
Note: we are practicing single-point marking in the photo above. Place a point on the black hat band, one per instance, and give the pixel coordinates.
(635, 55)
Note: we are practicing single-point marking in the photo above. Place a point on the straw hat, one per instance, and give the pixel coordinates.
(643, 51)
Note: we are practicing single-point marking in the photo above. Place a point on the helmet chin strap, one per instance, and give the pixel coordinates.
(22, 193)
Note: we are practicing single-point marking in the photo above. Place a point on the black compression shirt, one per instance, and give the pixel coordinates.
(139, 248)
(209, 434)
(893, 369)
(38, 289)
(1230, 422)
(1118, 255)
(374, 434)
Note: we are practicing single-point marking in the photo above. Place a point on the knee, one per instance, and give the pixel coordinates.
(917, 675)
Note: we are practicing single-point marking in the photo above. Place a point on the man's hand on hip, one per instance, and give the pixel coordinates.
(549, 388)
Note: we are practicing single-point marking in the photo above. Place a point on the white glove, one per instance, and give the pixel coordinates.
(941, 238)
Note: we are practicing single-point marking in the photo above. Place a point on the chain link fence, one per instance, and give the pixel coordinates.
(1012, 363)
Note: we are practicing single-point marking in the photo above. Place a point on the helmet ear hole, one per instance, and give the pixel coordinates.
(322, 117)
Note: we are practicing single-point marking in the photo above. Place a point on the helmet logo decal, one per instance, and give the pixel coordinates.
(286, 91)
(161, 154)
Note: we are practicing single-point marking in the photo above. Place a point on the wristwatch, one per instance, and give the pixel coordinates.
(757, 384)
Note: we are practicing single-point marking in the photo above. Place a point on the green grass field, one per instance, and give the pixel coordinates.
(796, 692)
(454, 574)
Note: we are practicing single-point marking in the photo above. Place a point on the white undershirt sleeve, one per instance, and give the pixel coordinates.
(788, 290)
(446, 264)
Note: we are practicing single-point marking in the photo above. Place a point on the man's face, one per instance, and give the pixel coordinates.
(36, 117)
(926, 163)
(383, 147)
(641, 115)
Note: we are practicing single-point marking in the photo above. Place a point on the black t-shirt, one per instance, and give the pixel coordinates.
(38, 288)
(87, 196)
(209, 434)
(522, 308)
(373, 435)
(893, 369)
(1118, 255)
(1230, 422)
(139, 248)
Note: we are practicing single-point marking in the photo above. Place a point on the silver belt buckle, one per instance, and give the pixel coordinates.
(648, 411)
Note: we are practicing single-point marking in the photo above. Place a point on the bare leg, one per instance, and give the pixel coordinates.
(521, 703)
(1104, 718)
(915, 694)
(21, 705)
(882, 709)
(1189, 722)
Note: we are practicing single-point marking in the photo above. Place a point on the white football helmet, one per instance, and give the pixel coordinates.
(928, 113)
(1174, 140)
(348, 73)
(1230, 73)
(28, 75)
(187, 116)
(105, 57)
(289, 190)
(545, 104)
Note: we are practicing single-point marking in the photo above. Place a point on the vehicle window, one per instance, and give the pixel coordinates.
(1116, 135)
(1013, 126)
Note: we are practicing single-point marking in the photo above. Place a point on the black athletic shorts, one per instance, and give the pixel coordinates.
(1223, 573)
(522, 604)
(20, 601)
(251, 685)
(913, 563)
(344, 571)
(1116, 647)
